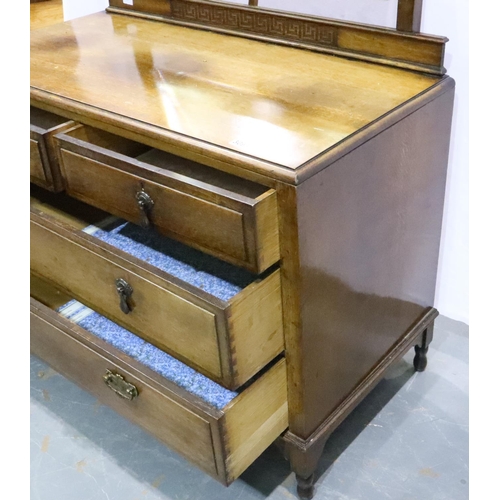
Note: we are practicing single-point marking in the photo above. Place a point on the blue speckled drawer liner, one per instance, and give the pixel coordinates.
(208, 273)
(147, 354)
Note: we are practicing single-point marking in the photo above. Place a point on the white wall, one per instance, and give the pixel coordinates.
(440, 17)
(378, 12)
(451, 18)
(78, 8)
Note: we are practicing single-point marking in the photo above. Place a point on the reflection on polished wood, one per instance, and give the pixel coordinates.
(279, 104)
(347, 161)
(45, 13)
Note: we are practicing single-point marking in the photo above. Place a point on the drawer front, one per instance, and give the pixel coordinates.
(158, 314)
(147, 189)
(157, 410)
(222, 442)
(44, 166)
(173, 212)
(228, 342)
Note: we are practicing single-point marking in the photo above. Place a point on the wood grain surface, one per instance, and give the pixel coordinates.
(278, 104)
(409, 15)
(44, 162)
(360, 264)
(45, 12)
(224, 215)
(388, 46)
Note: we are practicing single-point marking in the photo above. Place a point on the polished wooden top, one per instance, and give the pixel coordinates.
(45, 13)
(278, 104)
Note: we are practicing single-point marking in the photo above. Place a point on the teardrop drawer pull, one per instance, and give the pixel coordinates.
(118, 384)
(145, 203)
(125, 292)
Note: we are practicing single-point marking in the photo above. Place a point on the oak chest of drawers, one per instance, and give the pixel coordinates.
(233, 234)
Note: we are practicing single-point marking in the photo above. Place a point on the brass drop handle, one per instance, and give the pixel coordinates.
(125, 292)
(120, 386)
(145, 203)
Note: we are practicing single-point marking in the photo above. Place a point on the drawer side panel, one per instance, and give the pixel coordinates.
(255, 419)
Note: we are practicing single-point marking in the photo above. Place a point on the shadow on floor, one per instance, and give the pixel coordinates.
(110, 433)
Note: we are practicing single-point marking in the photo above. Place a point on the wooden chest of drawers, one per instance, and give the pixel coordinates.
(266, 218)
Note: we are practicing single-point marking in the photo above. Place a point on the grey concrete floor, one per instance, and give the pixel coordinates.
(408, 440)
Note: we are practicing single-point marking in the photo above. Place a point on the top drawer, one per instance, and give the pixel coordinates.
(218, 213)
(44, 169)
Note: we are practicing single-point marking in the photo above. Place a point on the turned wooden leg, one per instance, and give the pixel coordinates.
(420, 359)
(305, 487)
(304, 458)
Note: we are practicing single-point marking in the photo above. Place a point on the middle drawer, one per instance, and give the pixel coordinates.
(227, 339)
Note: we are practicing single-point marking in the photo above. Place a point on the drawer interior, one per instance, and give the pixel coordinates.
(45, 120)
(205, 272)
(65, 209)
(137, 348)
(221, 431)
(216, 277)
(222, 320)
(106, 140)
(190, 171)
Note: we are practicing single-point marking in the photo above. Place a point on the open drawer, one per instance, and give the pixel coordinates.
(222, 433)
(220, 319)
(44, 166)
(224, 215)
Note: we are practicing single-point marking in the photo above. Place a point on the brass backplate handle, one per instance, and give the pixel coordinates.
(145, 203)
(125, 292)
(118, 384)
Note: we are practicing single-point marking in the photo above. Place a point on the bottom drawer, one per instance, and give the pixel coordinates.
(220, 431)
